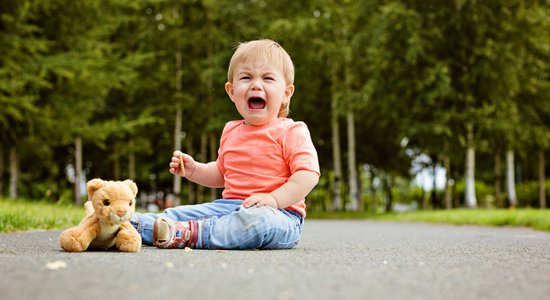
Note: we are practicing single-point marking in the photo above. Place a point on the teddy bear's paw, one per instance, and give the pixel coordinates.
(71, 244)
(129, 246)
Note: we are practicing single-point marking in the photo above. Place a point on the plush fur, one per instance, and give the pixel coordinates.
(109, 208)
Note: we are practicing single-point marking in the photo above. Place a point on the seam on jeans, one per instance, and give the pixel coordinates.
(217, 215)
(202, 237)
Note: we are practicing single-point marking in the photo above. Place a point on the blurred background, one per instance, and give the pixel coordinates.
(411, 104)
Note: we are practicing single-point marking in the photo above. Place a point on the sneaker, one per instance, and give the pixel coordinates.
(168, 233)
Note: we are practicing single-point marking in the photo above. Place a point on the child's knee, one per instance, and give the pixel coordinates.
(256, 217)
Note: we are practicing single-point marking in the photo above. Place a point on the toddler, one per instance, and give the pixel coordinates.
(266, 164)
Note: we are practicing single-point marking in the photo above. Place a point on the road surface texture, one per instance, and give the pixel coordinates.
(335, 260)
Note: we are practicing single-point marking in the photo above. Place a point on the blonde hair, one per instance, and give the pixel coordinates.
(264, 49)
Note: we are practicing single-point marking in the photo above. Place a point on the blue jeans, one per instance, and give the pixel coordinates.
(226, 224)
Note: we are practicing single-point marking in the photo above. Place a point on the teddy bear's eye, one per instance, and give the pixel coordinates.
(130, 202)
(106, 202)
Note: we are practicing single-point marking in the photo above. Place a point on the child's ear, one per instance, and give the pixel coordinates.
(289, 91)
(229, 90)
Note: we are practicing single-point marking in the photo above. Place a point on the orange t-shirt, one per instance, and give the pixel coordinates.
(259, 159)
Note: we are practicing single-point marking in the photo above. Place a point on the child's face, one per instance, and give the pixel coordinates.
(258, 90)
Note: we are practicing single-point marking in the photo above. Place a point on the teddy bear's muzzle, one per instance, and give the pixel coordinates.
(121, 216)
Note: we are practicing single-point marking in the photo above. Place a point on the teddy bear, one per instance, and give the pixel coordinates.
(109, 208)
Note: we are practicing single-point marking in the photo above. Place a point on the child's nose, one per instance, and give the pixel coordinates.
(256, 84)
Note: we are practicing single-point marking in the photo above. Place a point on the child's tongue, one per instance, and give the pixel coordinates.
(256, 103)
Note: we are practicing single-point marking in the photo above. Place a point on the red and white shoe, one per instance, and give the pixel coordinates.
(169, 234)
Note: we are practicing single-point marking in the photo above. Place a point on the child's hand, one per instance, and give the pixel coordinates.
(180, 159)
(260, 200)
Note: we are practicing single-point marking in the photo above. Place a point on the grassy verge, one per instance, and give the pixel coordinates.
(536, 219)
(21, 215)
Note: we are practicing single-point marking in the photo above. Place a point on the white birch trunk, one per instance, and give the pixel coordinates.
(498, 189)
(78, 171)
(471, 201)
(132, 160)
(191, 195)
(1, 170)
(213, 156)
(336, 156)
(510, 179)
(116, 160)
(203, 154)
(14, 172)
(542, 179)
(178, 125)
(352, 164)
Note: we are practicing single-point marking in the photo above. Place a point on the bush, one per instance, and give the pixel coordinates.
(528, 193)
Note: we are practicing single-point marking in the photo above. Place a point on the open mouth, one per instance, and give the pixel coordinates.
(256, 103)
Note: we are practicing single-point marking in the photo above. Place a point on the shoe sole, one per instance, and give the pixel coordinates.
(157, 228)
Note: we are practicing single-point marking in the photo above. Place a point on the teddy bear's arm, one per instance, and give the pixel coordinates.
(128, 239)
(78, 238)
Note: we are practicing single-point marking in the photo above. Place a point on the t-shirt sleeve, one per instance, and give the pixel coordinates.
(298, 149)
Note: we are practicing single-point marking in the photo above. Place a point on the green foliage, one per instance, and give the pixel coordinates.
(412, 72)
(485, 193)
(528, 193)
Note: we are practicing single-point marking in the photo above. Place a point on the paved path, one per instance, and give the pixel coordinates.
(335, 260)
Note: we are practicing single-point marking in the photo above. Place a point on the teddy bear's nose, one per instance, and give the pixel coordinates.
(121, 213)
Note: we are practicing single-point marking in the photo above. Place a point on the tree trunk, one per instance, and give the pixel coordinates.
(360, 187)
(14, 172)
(204, 158)
(336, 156)
(1, 170)
(542, 179)
(191, 195)
(448, 182)
(373, 200)
(425, 199)
(178, 125)
(132, 160)
(388, 183)
(352, 164)
(510, 180)
(213, 156)
(78, 171)
(435, 199)
(498, 178)
(471, 201)
(116, 160)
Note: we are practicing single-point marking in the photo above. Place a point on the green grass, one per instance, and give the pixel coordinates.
(533, 218)
(22, 215)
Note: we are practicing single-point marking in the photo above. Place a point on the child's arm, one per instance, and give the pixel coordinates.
(295, 189)
(204, 174)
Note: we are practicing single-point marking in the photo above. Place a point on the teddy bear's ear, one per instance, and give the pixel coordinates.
(93, 185)
(132, 186)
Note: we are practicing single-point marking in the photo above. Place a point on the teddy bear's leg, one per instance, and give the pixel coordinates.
(78, 238)
(128, 239)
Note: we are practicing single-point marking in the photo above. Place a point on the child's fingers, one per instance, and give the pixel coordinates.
(258, 200)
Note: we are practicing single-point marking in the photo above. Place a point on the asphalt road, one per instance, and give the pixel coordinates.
(335, 260)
